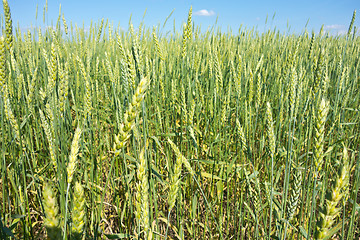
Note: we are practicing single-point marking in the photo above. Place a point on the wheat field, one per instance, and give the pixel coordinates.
(193, 134)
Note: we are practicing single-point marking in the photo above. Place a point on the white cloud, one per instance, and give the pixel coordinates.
(205, 13)
(336, 28)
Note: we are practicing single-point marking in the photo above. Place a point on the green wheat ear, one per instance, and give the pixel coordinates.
(351, 23)
(73, 155)
(329, 211)
(241, 135)
(270, 130)
(183, 159)
(79, 212)
(2, 63)
(142, 195)
(130, 115)
(322, 112)
(51, 208)
(187, 34)
(294, 194)
(175, 178)
(8, 25)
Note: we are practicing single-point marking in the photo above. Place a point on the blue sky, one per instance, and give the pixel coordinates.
(335, 15)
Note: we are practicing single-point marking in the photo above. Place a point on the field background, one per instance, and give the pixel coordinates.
(192, 135)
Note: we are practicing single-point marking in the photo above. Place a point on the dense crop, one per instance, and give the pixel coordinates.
(192, 135)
